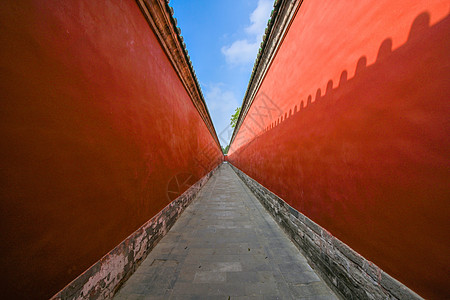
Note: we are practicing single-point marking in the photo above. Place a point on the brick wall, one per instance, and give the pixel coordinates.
(106, 276)
(350, 274)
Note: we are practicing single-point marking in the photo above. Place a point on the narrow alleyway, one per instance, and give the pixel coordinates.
(225, 246)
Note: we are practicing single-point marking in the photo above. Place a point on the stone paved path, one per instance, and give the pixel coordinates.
(225, 246)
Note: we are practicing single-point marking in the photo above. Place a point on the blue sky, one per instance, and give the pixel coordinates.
(222, 38)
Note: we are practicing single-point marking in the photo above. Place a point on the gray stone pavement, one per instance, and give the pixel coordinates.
(225, 246)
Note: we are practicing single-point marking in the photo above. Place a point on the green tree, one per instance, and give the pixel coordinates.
(225, 150)
(235, 116)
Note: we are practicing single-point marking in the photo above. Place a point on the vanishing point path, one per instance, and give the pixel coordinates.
(225, 246)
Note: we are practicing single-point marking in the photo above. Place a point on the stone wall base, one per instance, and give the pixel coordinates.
(347, 272)
(106, 276)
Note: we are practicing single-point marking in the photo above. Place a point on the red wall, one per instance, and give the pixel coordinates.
(368, 159)
(94, 124)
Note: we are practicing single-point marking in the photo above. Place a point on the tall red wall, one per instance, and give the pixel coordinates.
(368, 156)
(94, 124)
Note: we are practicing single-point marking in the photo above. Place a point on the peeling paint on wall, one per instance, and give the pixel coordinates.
(96, 117)
(366, 152)
(349, 273)
(104, 278)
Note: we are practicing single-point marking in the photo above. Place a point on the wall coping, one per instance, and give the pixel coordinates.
(277, 27)
(159, 16)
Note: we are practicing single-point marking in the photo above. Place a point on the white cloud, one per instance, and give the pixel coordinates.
(221, 102)
(240, 52)
(259, 18)
(244, 51)
(220, 99)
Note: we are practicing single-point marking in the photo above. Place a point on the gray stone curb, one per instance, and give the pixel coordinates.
(347, 272)
(105, 277)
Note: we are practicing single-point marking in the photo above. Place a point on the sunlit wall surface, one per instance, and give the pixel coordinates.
(351, 127)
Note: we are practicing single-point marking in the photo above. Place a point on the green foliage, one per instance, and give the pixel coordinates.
(234, 117)
(225, 150)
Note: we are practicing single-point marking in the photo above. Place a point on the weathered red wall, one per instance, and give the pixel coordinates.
(94, 124)
(369, 158)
